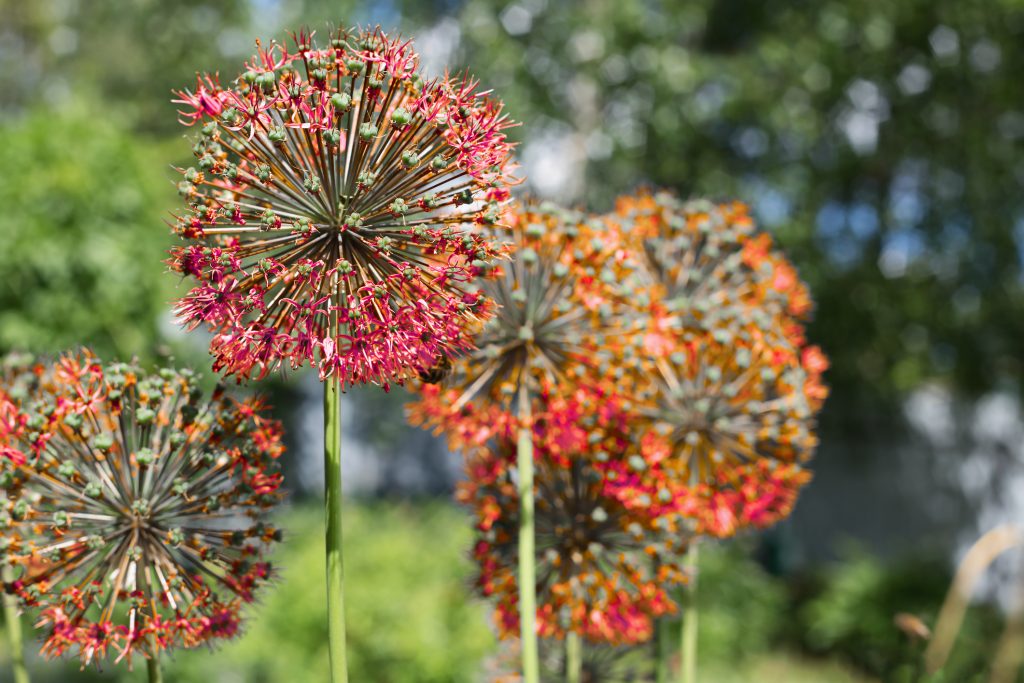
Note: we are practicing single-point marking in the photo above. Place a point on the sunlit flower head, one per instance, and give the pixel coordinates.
(707, 266)
(556, 304)
(596, 556)
(722, 403)
(336, 211)
(134, 508)
(725, 388)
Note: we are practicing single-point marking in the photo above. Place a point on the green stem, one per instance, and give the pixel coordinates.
(12, 621)
(527, 565)
(153, 669)
(573, 658)
(335, 567)
(688, 665)
(662, 648)
(662, 651)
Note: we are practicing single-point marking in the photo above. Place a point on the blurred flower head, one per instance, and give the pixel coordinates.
(706, 266)
(334, 213)
(724, 387)
(596, 557)
(134, 508)
(560, 310)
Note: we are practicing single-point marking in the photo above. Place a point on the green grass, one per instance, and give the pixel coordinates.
(779, 668)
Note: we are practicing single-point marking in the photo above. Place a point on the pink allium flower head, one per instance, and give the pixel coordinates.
(335, 210)
(133, 509)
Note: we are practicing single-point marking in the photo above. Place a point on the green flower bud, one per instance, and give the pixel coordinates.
(400, 118)
(410, 158)
(145, 457)
(367, 132)
(341, 101)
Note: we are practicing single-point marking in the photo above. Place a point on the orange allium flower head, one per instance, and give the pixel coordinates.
(595, 555)
(707, 267)
(335, 210)
(134, 509)
(555, 319)
(726, 391)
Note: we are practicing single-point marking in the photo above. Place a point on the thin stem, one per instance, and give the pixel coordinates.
(660, 643)
(688, 665)
(12, 621)
(156, 675)
(527, 543)
(662, 650)
(573, 658)
(335, 568)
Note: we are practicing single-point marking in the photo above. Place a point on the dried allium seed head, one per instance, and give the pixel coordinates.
(134, 508)
(335, 211)
(595, 555)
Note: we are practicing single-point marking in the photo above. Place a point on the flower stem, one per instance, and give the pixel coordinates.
(688, 664)
(156, 675)
(662, 648)
(527, 567)
(12, 621)
(662, 651)
(335, 568)
(573, 658)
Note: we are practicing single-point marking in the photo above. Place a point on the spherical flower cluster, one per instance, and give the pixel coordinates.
(706, 268)
(725, 388)
(558, 303)
(596, 557)
(337, 208)
(134, 509)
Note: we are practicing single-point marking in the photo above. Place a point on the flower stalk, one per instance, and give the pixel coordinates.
(155, 673)
(662, 651)
(527, 543)
(688, 662)
(573, 658)
(333, 497)
(12, 622)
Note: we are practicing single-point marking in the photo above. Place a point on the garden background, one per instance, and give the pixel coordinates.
(879, 142)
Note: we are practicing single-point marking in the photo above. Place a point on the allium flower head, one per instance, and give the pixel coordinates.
(725, 388)
(335, 209)
(595, 555)
(556, 302)
(707, 267)
(134, 508)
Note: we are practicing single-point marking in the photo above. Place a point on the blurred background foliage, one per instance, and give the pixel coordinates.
(879, 142)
